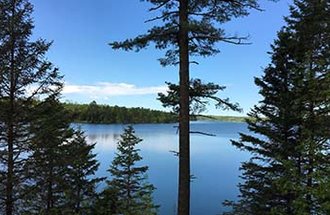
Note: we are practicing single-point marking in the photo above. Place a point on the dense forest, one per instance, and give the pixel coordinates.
(95, 113)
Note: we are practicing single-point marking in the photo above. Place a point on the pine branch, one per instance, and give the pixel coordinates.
(159, 6)
(194, 62)
(233, 40)
(164, 16)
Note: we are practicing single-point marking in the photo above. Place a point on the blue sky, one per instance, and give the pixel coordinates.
(81, 29)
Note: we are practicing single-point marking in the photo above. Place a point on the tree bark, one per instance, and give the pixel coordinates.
(184, 140)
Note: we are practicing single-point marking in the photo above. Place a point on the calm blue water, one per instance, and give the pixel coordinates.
(214, 161)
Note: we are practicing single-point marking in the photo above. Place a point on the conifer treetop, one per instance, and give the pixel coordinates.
(204, 17)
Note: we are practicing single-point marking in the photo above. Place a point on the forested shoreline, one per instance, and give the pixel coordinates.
(105, 114)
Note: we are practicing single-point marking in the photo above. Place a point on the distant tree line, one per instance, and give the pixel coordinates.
(96, 113)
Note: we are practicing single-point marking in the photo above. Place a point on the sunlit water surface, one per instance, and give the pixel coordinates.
(214, 161)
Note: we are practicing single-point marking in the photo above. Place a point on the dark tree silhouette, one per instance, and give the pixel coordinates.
(24, 75)
(61, 166)
(289, 170)
(128, 184)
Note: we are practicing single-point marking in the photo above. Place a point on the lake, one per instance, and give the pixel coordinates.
(214, 161)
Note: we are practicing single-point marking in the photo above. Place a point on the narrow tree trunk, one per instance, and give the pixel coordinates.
(50, 195)
(78, 202)
(10, 146)
(184, 141)
(311, 153)
(309, 186)
(10, 172)
(10, 135)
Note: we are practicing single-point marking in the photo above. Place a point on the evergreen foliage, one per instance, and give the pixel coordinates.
(201, 26)
(61, 164)
(80, 179)
(289, 169)
(96, 113)
(47, 164)
(25, 74)
(129, 186)
(106, 202)
(200, 95)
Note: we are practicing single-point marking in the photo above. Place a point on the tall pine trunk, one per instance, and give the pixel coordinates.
(184, 140)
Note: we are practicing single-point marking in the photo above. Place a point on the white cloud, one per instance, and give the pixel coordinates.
(106, 89)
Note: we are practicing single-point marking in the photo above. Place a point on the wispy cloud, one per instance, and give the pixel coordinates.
(107, 89)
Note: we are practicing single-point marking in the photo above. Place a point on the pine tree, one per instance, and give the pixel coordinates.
(80, 193)
(106, 202)
(129, 184)
(49, 160)
(189, 29)
(289, 169)
(61, 164)
(24, 75)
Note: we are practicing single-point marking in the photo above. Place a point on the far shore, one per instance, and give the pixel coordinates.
(223, 118)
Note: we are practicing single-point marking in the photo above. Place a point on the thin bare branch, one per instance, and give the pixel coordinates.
(194, 62)
(159, 6)
(175, 153)
(202, 133)
(165, 15)
(192, 178)
(234, 40)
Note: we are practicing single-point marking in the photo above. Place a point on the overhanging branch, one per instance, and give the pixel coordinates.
(159, 6)
(165, 15)
(202, 133)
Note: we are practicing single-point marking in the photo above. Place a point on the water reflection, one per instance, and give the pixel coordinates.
(104, 141)
(214, 161)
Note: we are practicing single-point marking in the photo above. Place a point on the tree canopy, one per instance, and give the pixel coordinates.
(290, 144)
(25, 74)
(130, 193)
(96, 113)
